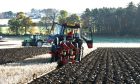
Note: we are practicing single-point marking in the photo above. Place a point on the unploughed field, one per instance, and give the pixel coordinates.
(101, 66)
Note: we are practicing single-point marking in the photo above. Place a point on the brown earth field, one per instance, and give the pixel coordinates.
(17, 54)
(101, 66)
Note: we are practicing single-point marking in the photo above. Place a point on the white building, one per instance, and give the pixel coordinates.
(4, 22)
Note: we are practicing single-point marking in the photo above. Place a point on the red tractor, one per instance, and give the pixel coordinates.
(67, 43)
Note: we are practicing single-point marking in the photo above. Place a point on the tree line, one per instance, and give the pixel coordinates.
(113, 21)
(7, 15)
(103, 21)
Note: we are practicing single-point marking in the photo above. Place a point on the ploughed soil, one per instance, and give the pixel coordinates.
(101, 66)
(17, 54)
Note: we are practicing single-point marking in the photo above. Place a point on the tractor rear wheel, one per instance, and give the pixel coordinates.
(39, 44)
(79, 53)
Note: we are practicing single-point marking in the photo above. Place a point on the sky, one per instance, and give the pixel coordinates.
(73, 6)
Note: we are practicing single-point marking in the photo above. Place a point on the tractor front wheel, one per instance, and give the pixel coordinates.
(53, 59)
(27, 44)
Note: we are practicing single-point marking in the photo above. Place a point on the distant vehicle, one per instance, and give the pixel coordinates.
(34, 40)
